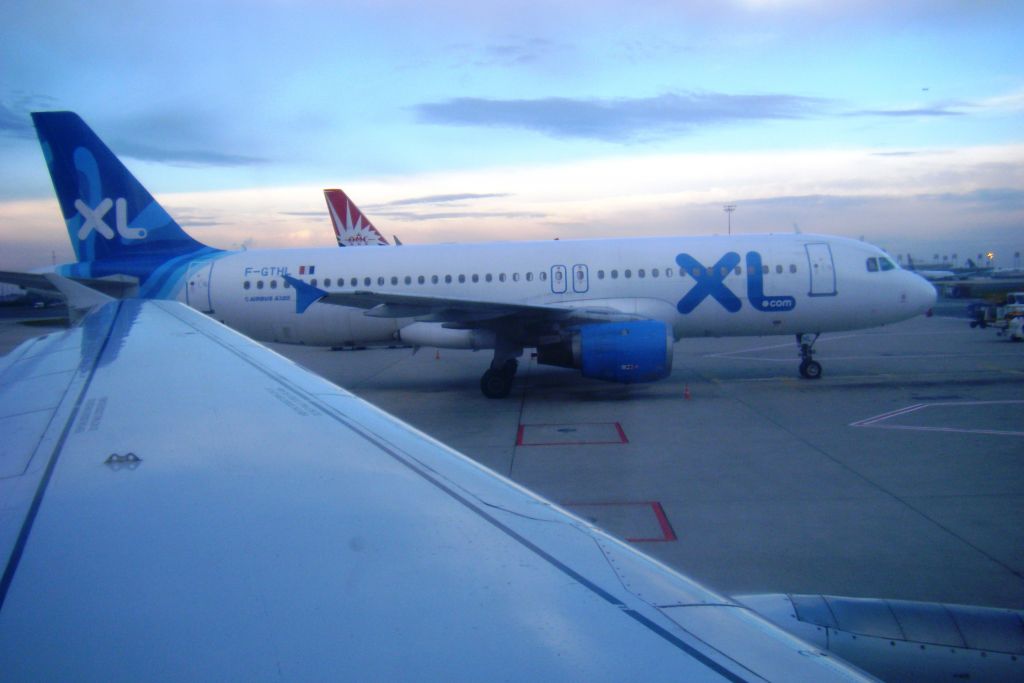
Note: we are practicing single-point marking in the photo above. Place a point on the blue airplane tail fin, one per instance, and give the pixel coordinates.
(110, 216)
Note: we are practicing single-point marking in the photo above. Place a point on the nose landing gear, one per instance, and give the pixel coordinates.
(809, 368)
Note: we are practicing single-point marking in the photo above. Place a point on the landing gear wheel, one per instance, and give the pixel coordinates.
(510, 368)
(496, 383)
(810, 369)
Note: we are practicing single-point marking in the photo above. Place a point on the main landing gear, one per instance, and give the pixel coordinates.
(809, 368)
(497, 381)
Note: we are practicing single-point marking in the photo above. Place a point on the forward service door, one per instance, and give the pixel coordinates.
(822, 268)
(559, 280)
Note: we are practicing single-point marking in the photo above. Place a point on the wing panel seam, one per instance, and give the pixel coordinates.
(26, 527)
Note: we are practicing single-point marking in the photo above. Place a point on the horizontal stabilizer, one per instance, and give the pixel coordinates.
(81, 299)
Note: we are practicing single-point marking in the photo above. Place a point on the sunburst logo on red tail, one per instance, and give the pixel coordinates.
(350, 225)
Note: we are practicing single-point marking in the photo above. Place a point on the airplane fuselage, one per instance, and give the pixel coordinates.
(698, 286)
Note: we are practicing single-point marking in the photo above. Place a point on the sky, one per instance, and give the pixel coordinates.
(901, 123)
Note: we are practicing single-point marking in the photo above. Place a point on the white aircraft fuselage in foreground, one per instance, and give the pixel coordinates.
(612, 308)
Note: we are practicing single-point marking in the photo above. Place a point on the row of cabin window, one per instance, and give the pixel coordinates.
(542, 276)
(422, 279)
(696, 272)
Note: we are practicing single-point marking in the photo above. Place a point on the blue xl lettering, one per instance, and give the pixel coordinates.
(709, 283)
(755, 288)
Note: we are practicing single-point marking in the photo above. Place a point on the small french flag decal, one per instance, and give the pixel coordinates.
(307, 270)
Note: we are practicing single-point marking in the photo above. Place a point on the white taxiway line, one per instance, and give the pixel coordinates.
(877, 420)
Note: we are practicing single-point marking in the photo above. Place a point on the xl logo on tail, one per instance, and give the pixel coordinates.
(94, 220)
(711, 282)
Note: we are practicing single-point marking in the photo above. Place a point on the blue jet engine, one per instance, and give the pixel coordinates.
(627, 352)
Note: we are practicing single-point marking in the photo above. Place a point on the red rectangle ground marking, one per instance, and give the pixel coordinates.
(616, 436)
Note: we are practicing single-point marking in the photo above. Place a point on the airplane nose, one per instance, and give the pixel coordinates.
(921, 294)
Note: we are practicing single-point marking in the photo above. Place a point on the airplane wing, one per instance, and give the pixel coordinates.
(179, 502)
(455, 312)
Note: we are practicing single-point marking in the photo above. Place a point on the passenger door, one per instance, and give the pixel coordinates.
(558, 280)
(822, 268)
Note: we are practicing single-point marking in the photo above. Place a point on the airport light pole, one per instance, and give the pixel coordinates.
(729, 208)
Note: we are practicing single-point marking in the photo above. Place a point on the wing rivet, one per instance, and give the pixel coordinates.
(117, 461)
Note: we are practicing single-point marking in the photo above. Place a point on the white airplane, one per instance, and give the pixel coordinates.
(351, 227)
(611, 308)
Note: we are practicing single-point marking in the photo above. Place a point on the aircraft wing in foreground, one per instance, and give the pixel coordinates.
(181, 502)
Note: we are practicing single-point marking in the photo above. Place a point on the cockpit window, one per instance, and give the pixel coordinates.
(872, 264)
(886, 264)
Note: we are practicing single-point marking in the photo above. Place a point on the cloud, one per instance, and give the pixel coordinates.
(1011, 102)
(1007, 103)
(812, 201)
(1003, 198)
(908, 112)
(507, 53)
(397, 209)
(192, 217)
(515, 53)
(999, 198)
(618, 119)
(303, 214)
(441, 199)
(15, 119)
(903, 153)
(14, 124)
(449, 215)
(185, 157)
(970, 198)
(177, 136)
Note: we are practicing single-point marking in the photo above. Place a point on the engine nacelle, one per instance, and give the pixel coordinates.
(637, 351)
(901, 640)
